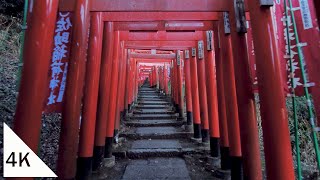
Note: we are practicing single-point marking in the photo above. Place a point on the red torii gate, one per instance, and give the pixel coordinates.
(276, 138)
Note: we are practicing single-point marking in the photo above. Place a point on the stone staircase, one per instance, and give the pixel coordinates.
(154, 143)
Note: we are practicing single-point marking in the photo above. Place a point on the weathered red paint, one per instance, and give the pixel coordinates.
(68, 143)
(90, 101)
(34, 81)
(277, 147)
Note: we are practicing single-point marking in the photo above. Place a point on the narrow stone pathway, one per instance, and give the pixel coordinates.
(155, 145)
(156, 134)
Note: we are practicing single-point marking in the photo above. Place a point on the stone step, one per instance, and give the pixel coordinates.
(149, 97)
(153, 111)
(157, 168)
(167, 132)
(153, 107)
(153, 116)
(154, 123)
(147, 89)
(154, 103)
(148, 92)
(154, 148)
(152, 99)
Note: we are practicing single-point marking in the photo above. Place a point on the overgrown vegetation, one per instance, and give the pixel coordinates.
(11, 7)
(308, 157)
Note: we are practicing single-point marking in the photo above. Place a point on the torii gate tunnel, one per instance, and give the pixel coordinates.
(88, 58)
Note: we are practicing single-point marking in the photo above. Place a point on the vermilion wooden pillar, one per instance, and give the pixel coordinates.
(211, 50)
(165, 71)
(176, 87)
(34, 80)
(103, 98)
(150, 79)
(137, 82)
(90, 102)
(173, 83)
(195, 95)
(120, 95)
(223, 124)
(68, 143)
(124, 85)
(161, 78)
(231, 105)
(179, 85)
(188, 93)
(246, 104)
(126, 88)
(203, 93)
(113, 96)
(129, 82)
(276, 136)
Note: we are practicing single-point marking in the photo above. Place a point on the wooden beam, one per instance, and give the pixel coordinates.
(164, 26)
(161, 36)
(151, 5)
(160, 45)
(152, 56)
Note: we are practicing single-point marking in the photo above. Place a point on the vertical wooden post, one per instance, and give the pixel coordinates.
(229, 77)
(113, 96)
(245, 97)
(276, 136)
(34, 81)
(188, 87)
(68, 143)
(195, 95)
(211, 50)
(203, 93)
(103, 101)
(90, 102)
